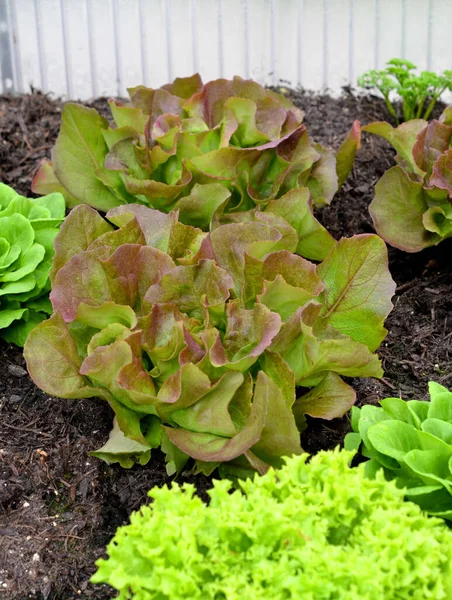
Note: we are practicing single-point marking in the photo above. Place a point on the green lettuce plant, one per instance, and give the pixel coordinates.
(411, 442)
(317, 530)
(28, 227)
(412, 207)
(399, 81)
(213, 152)
(198, 341)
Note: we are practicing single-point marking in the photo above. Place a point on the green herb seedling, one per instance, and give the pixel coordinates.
(418, 93)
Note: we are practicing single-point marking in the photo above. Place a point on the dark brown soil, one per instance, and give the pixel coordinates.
(58, 506)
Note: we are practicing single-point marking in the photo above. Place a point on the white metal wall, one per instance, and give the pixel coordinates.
(86, 48)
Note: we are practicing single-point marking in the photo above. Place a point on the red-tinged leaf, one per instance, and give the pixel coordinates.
(295, 207)
(163, 333)
(280, 436)
(345, 156)
(45, 182)
(322, 181)
(221, 164)
(397, 212)
(198, 208)
(210, 414)
(300, 154)
(402, 138)
(329, 399)
(138, 384)
(358, 289)
(103, 363)
(289, 238)
(159, 195)
(157, 227)
(122, 278)
(54, 363)
(247, 133)
(294, 270)
(381, 128)
(430, 144)
(248, 334)
(254, 238)
(442, 172)
(118, 134)
(78, 231)
(311, 349)
(185, 244)
(207, 103)
(185, 87)
(79, 155)
(193, 288)
(212, 448)
(182, 389)
(155, 102)
(128, 116)
(275, 367)
(129, 234)
(282, 298)
(446, 116)
(111, 367)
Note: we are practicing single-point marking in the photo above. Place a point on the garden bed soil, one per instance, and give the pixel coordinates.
(58, 506)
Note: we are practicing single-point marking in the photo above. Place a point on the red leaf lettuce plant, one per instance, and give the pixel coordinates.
(412, 207)
(214, 152)
(198, 341)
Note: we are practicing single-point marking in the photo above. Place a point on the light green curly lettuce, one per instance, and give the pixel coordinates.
(412, 443)
(314, 531)
(28, 227)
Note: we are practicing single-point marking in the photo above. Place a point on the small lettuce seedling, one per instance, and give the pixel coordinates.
(412, 443)
(214, 152)
(412, 207)
(28, 227)
(198, 341)
(414, 90)
(317, 530)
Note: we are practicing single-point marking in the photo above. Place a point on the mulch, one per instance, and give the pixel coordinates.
(58, 506)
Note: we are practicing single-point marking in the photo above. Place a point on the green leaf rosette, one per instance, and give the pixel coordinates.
(411, 442)
(28, 227)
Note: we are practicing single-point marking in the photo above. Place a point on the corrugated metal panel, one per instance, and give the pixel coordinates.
(86, 48)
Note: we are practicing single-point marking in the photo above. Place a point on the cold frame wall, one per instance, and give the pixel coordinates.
(87, 48)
